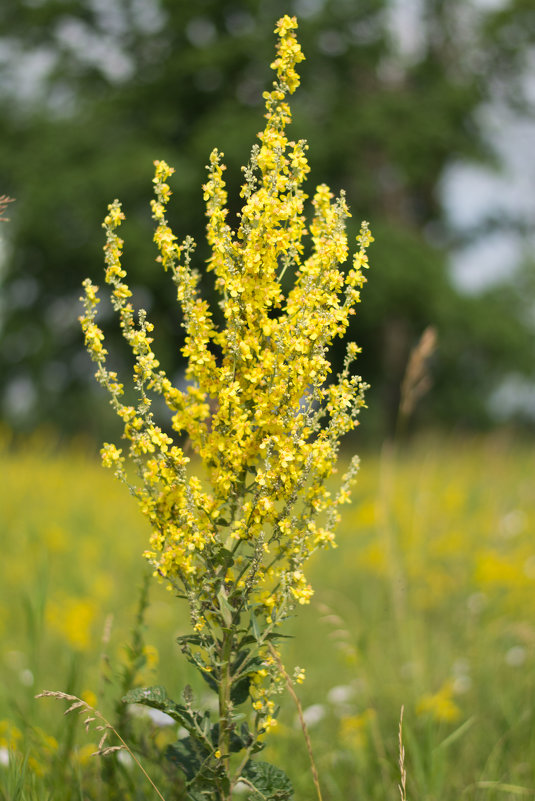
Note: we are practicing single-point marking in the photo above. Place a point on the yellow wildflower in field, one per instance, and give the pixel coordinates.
(440, 705)
(10, 735)
(73, 619)
(353, 730)
(258, 409)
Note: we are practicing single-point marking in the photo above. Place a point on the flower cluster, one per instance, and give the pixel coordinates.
(259, 411)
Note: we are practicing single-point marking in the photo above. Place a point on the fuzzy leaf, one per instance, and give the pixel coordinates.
(239, 740)
(189, 639)
(270, 783)
(240, 691)
(209, 679)
(157, 698)
(188, 754)
(187, 695)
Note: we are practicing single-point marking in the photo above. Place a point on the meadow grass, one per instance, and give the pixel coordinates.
(428, 602)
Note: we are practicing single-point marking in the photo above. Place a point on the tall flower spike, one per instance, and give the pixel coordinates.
(232, 532)
(259, 409)
(259, 416)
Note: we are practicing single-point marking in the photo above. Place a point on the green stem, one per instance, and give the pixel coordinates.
(225, 686)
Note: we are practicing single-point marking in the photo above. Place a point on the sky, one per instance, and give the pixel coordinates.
(472, 194)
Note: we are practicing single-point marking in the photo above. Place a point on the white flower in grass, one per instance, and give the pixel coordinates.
(313, 714)
(125, 759)
(515, 656)
(462, 681)
(476, 602)
(341, 694)
(26, 677)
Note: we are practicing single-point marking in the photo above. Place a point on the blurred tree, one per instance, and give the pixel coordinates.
(94, 90)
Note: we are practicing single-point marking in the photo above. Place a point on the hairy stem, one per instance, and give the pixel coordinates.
(225, 686)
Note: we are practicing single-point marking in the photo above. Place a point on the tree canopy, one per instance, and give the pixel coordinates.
(94, 91)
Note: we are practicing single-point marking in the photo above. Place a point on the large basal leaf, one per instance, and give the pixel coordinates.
(270, 783)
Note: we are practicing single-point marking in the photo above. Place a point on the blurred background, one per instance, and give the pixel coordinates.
(421, 110)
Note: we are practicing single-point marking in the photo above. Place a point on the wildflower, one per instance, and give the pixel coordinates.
(440, 705)
(72, 618)
(299, 675)
(89, 697)
(258, 409)
(313, 714)
(10, 736)
(353, 730)
(261, 411)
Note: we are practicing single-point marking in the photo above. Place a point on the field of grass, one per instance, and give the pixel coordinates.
(427, 603)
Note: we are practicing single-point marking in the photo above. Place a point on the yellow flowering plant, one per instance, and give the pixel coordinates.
(232, 528)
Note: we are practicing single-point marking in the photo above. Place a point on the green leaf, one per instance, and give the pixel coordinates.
(190, 639)
(255, 627)
(239, 692)
(199, 794)
(209, 679)
(239, 740)
(246, 736)
(187, 694)
(224, 556)
(270, 783)
(246, 640)
(189, 755)
(192, 757)
(156, 698)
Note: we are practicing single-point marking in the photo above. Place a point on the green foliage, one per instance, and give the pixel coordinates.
(426, 603)
(268, 782)
(264, 422)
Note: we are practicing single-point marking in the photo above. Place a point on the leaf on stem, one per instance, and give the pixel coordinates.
(269, 783)
(157, 698)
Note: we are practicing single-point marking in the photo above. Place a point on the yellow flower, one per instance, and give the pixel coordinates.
(440, 705)
(89, 697)
(73, 619)
(260, 410)
(84, 753)
(10, 735)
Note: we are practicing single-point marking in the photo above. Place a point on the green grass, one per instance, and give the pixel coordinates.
(428, 602)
